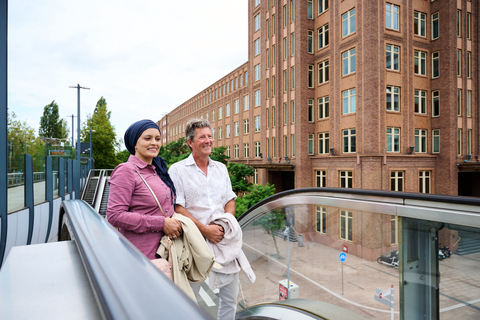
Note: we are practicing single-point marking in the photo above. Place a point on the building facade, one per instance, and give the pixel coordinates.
(356, 94)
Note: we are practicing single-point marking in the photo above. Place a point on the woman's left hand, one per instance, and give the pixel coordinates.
(172, 228)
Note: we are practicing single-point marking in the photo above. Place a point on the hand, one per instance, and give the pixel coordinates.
(213, 232)
(172, 228)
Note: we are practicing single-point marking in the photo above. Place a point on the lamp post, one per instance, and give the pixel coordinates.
(77, 169)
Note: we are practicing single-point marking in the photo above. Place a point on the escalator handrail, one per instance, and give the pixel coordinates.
(125, 283)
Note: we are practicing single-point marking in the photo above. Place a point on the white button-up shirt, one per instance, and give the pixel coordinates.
(202, 195)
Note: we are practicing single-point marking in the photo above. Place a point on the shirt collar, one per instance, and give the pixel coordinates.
(190, 161)
(138, 162)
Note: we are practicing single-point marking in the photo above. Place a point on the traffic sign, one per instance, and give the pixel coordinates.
(342, 257)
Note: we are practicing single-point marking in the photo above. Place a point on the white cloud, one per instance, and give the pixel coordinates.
(145, 57)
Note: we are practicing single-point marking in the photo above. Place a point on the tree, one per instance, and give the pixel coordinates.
(174, 151)
(21, 140)
(256, 194)
(51, 126)
(239, 173)
(218, 154)
(271, 222)
(104, 138)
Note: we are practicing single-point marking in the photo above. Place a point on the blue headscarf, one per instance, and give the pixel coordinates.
(131, 137)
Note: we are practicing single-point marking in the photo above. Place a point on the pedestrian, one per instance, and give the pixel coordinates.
(131, 206)
(204, 190)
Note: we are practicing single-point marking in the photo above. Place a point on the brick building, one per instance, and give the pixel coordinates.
(347, 93)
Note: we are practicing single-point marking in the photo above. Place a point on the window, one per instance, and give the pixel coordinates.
(292, 76)
(396, 181)
(435, 64)
(420, 63)
(469, 103)
(267, 114)
(419, 22)
(257, 22)
(322, 6)
(435, 26)
(420, 140)
(469, 141)
(310, 9)
(257, 2)
(292, 10)
(285, 113)
(273, 117)
(310, 75)
(256, 70)
(213, 115)
(220, 133)
(348, 23)
(323, 143)
(227, 131)
(459, 102)
(274, 86)
(285, 146)
(323, 104)
(274, 148)
(292, 139)
(469, 25)
(349, 140)
(227, 110)
(246, 150)
(321, 223)
(310, 110)
(285, 80)
(310, 41)
(257, 123)
(273, 24)
(459, 63)
(469, 64)
(292, 110)
(310, 144)
(235, 151)
(346, 179)
(393, 57)
(459, 142)
(421, 101)
(424, 181)
(349, 101)
(393, 139)
(435, 103)
(236, 129)
(246, 126)
(257, 149)
(257, 47)
(459, 23)
(392, 13)
(323, 72)
(246, 102)
(393, 98)
(348, 61)
(436, 141)
(285, 49)
(346, 225)
(227, 151)
(267, 88)
(241, 80)
(323, 36)
(257, 98)
(292, 43)
(320, 178)
(219, 113)
(236, 104)
(393, 230)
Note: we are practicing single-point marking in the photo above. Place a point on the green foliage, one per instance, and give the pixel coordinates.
(174, 151)
(51, 126)
(123, 155)
(218, 154)
(239, 173)
(104, 139)
(271, 222)
(21, 140)
(256, 194)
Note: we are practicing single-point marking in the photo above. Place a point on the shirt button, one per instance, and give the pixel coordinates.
(167, 197)
(166, 210)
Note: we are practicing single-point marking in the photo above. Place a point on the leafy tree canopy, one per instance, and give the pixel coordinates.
(239, 172)
(104, 139)
(51, 126)
(174, 151)
(256, 194)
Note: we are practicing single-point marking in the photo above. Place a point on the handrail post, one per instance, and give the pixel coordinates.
(29, 195)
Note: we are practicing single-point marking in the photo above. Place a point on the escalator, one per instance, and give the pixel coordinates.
(96, 190)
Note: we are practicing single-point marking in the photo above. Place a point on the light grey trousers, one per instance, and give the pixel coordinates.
(227, 298)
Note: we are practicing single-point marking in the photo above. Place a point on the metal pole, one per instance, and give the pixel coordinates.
(90, 143)
(342, 278)
(3, 126)
(393, 302)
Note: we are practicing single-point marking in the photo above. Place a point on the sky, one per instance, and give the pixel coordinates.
(145, 57)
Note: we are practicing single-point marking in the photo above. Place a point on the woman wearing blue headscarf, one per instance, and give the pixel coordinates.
(135, 188)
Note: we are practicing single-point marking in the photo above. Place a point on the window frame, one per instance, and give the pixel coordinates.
(348, 62)
(420, 97)
(323, 36)
(349, 101)
(391, 56)
(394, 104)
(323, 142)
(349, 140)
(393, 139)
(323, 104)
(348, 22)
